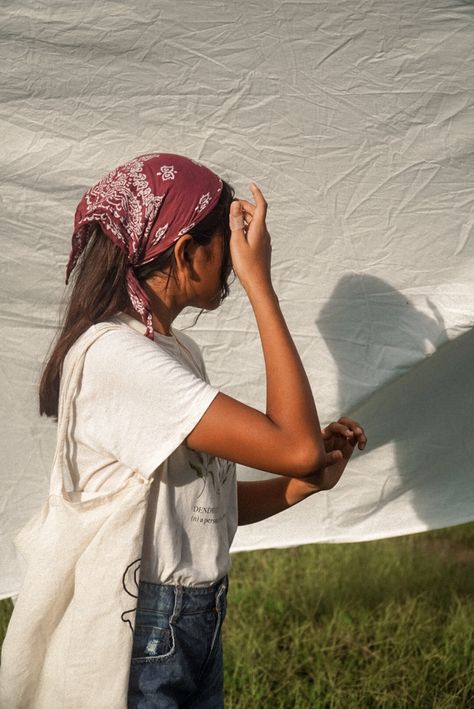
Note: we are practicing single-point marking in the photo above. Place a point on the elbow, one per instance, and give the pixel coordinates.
(311, 459)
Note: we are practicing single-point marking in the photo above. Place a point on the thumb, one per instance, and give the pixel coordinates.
(236, 218)
(334, 457)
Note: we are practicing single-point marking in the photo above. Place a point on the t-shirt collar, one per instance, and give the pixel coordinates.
(141, 328)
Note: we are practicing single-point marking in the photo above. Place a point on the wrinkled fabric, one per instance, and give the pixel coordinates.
(356, 122)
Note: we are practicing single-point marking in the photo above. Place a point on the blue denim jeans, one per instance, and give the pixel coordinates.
(177, 647)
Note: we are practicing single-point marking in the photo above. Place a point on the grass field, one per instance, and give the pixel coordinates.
(380, 624)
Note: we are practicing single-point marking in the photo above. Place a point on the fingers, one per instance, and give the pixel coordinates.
(336, 427)
(248, 206)
(260, 201)
(240, 217)
(250, 211)
(349, 428)
(358, 431)
(334, 457)
(236, 218)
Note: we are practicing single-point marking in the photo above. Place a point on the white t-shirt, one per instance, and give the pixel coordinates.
(136, 402)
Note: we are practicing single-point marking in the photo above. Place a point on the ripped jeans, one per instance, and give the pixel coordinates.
(177, 656)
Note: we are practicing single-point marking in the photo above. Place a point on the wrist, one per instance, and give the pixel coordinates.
(260, 289)
(299, 489)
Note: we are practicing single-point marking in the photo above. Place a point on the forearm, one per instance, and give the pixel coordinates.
(260, 499)
(290, 402)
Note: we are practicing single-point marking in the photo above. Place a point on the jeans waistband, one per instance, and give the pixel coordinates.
(168, 598)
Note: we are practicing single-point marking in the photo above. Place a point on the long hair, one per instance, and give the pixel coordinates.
(99, 289)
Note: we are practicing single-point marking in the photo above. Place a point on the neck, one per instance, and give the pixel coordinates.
(164, 310)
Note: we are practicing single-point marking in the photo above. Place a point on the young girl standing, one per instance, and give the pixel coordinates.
(154, 236)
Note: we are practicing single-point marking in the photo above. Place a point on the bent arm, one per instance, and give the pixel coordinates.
(264, 498)
(260, 499)
(286, 439)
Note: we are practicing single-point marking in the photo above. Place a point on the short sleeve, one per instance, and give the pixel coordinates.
(139, 401)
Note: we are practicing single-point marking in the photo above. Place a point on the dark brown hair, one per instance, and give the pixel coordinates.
(99, 288)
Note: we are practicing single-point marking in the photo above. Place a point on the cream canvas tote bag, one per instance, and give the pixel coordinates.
(69, 641)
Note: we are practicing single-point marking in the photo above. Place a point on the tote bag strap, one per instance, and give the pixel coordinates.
(68, 388)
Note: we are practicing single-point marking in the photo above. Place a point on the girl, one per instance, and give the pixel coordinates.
(156, 235)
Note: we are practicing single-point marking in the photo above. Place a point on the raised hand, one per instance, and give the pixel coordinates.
(250, 242)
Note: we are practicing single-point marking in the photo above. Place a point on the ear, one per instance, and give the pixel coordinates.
(184, 251)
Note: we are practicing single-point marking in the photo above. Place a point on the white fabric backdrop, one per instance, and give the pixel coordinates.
(357, 122)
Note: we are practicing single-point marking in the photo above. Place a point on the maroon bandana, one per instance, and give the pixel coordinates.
(144, 207)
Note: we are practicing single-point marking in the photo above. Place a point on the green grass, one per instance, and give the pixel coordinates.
(379, 624)
(6, 608)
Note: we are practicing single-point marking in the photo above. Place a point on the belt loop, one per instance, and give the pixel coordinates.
(225, 582)
(178, 602)
(222, 587)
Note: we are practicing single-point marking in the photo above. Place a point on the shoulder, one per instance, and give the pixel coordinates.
(119, 340)
(186, 341)
(111, 346)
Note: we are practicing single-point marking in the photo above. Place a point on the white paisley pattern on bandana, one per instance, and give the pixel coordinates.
(186, 228)
(160, 232)
(203, 202)
(167, 172)
(125, 195)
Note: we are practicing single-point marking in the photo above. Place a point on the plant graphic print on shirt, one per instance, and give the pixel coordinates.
(213, 473)
(204, 465)
(208, 466)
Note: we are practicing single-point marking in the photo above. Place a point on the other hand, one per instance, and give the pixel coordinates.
(340, 438)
